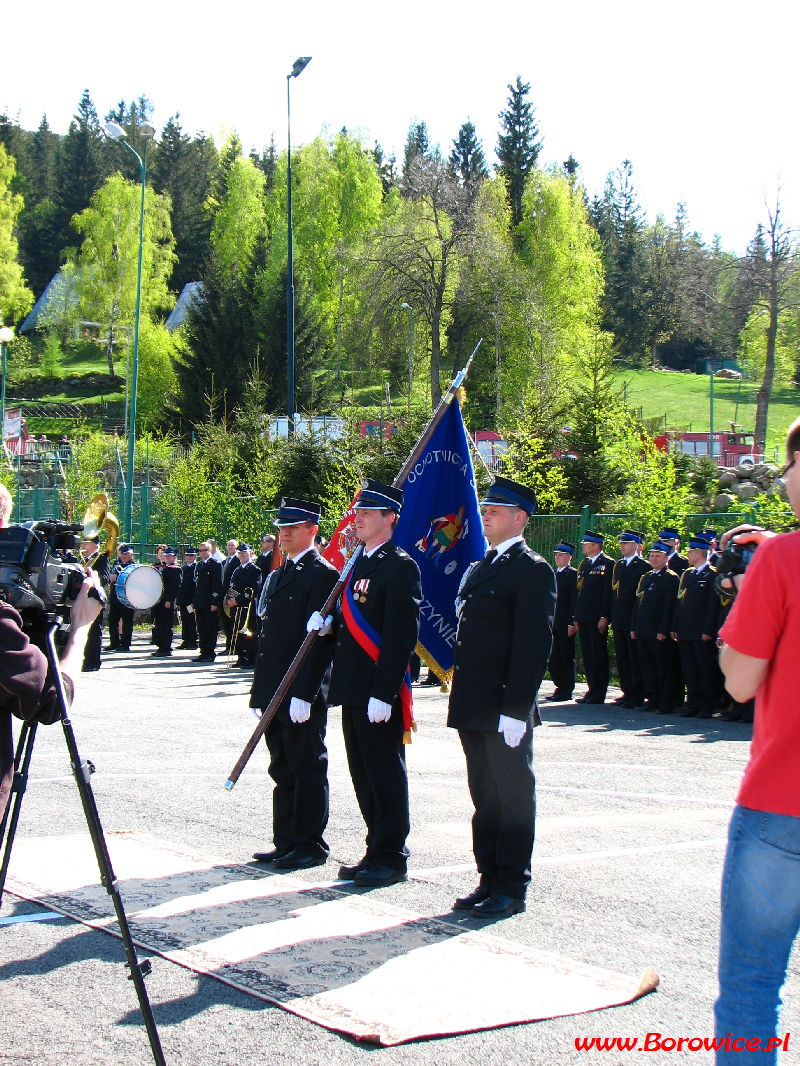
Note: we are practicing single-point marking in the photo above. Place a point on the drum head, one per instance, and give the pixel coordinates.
(139, 586)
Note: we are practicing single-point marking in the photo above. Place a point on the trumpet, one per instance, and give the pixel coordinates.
(241, 628)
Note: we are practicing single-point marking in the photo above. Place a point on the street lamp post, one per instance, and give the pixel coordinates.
(298, 67)
(410, 309)
(6, 336)
(117, 133)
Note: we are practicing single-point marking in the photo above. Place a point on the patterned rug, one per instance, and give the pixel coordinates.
(343, 960)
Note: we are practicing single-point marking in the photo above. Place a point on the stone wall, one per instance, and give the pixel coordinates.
(740, 484)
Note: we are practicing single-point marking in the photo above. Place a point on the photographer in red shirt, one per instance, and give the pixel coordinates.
(761, 880)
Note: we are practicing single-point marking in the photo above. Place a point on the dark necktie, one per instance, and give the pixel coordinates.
(490, 557)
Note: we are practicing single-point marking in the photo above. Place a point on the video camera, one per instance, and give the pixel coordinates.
(730, 563)
(40, 570)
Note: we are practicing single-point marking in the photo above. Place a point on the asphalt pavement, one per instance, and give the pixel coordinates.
(632, 816)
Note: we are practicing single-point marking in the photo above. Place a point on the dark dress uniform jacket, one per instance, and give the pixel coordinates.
(677, 563)
(504, 638)
(186, 591)
(208, 584)
(391, 602)
(566, 599)
(291, 595)
(624, 586)
(655, 604)
(594, 589)
(697, 606)
(244, 578)
(171, 580)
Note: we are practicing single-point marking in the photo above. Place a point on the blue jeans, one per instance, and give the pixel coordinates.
(760, 920)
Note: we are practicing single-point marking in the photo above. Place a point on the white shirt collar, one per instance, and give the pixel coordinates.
(300, 555)
(505, 545)
(371, 552)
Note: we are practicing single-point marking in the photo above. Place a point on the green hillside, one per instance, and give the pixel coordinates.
(683, 400)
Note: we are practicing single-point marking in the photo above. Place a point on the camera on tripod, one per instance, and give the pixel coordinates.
(40, 570)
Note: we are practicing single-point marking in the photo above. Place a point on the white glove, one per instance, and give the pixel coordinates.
(512, 729)
(378, 711)
(256, 712)
(323, 626)
(190, 608)
(299, 710)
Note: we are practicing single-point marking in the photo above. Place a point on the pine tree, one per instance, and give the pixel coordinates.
(517, 146)
(82, 168)
(467, 160)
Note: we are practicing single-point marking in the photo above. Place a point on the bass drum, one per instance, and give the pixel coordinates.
(139, 586)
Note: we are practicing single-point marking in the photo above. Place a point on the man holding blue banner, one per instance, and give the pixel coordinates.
(376, 632)
(507, 603)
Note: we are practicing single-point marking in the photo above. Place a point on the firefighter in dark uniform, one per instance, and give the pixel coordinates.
(562, 656)
(165, 610)
(695, 631)
(244, 588)
(627, 572)
(593, 613)
(296, 735)
(97, 561)
(652, 624)
(385, 593)
(120, 617)
(229, 567)
(677, 563)
(506, 605)
(207, 603)
(264, 558)
(185, 598)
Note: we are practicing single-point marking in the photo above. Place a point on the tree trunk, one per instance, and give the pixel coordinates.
(765, 389)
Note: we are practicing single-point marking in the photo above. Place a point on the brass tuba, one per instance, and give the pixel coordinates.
(97, 517)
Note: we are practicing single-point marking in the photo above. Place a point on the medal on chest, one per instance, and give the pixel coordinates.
(360, 590)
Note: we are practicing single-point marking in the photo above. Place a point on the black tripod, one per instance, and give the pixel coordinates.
(82, 771)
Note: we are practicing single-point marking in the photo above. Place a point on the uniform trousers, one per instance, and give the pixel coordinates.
(698, 660)
(655, 662)
(562, 662)
(677, 685)
(630, 677)
(299, 767)
(377, 762)
(164, 622)
(594, 646)
(503, 790)
(119, 616)
(94, 643)
(188, 628)
(207, 630)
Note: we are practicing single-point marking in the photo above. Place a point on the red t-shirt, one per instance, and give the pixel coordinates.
(765, 623)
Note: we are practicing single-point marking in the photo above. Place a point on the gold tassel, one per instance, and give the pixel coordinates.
(408, 732)
(445, 676)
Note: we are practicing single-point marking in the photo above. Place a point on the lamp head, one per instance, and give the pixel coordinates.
(147, 130)
(115, 131)
(405, 307)
(6, 334)
(299, 66)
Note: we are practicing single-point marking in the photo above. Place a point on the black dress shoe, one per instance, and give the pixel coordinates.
(498, 907)
(89, 669)
(466, 903)
(348, 873)
(621, 700)
(379, 876)
(689, 713)
(270, 856)
(297, 860)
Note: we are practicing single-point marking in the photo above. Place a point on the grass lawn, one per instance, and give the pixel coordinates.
(684, 399)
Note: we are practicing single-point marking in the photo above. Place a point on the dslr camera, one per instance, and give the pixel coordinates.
(40, 570)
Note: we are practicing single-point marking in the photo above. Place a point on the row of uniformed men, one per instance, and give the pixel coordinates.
(506, 604)
(664, 614)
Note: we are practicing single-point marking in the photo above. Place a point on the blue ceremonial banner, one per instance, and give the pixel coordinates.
(441, 529)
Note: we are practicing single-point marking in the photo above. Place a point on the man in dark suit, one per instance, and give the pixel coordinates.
(562, 657)
(229, 568)
(296, 735)
(207, 602)
(98, 561)
(651, 628)
(694, 628)
(627, 572)
(120, 616)
(264, 558)
(185, 600)
(243, 589)
(166, 608)
(677, 563)
(383, 596)
(506, 605)
(592, 613)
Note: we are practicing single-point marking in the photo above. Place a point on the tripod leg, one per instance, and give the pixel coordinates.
(82, 771)
(22, 761)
